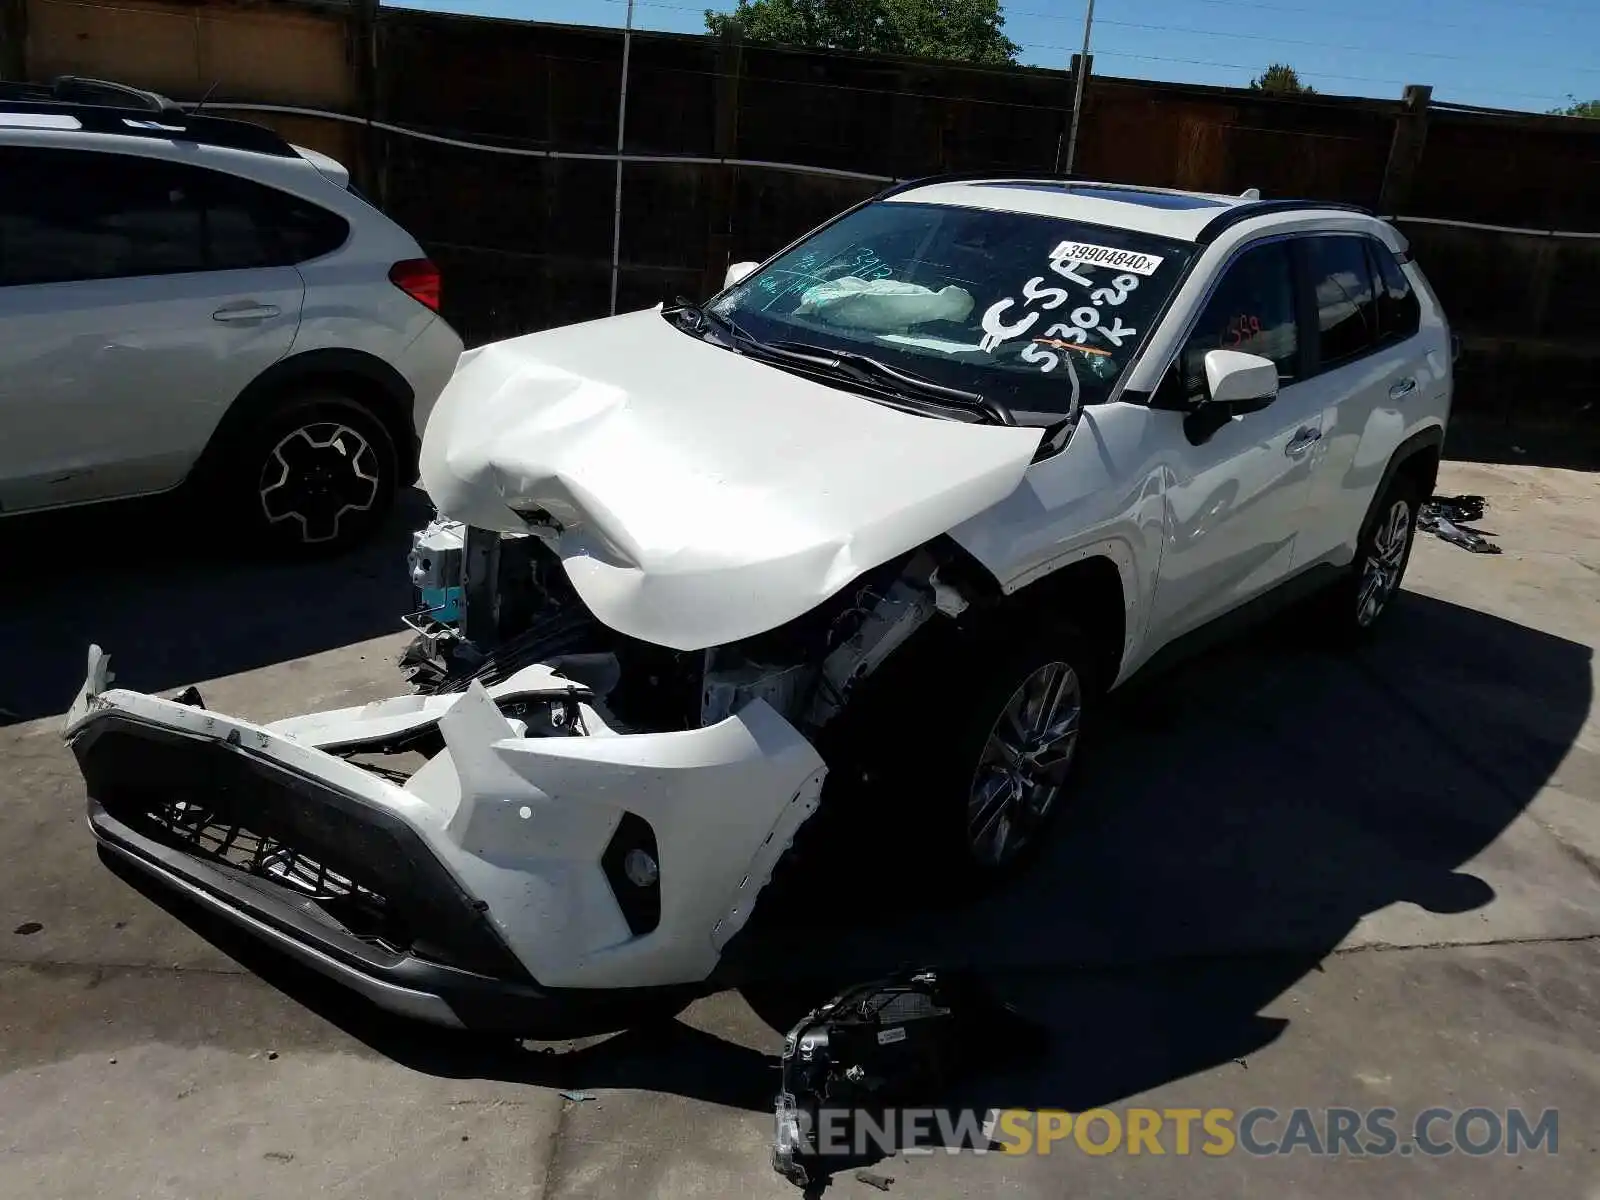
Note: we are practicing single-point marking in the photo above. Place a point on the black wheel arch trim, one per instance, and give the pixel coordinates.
(1422, 442)
(328, 366)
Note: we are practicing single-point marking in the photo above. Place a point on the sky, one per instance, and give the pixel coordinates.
(1523, 54)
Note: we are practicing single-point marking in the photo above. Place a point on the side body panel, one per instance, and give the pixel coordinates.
(1199, 531)
(111, 387)
(1371, 407)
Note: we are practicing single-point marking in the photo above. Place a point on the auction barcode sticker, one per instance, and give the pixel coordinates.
(1108, 256)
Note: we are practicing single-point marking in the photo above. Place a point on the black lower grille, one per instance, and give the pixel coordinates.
(199, 830)
(350, 863)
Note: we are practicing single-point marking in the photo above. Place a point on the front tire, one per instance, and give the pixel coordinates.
(316, 477)
(999, 765)
(896, 821)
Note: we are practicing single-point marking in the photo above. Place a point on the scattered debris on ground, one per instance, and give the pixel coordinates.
(897, 1040)
(872, 1179)
(1447, 517)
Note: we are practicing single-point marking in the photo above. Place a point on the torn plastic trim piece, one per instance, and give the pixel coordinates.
(386, 721)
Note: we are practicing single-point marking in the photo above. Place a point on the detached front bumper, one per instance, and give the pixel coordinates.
(494, 882)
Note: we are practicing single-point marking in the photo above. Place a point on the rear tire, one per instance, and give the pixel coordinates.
(1356, 604)
(315, 477)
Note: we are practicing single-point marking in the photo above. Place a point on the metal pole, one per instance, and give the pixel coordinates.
(622, 122)
(1077, 97)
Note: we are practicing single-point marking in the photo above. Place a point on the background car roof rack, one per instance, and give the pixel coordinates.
(99, 106)
(76, 89)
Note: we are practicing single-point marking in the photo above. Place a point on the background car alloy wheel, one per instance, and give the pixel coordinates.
(1385, 562)
(316, 476)
(1024, 764)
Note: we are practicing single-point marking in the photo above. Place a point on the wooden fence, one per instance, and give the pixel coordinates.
(495, 142)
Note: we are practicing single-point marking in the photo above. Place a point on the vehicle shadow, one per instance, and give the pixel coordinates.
(175, 602)
(1243, 813)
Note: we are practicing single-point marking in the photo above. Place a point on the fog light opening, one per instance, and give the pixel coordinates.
(641, 868)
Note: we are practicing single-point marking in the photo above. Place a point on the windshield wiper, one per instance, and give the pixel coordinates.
(852, 363)
(861, 368)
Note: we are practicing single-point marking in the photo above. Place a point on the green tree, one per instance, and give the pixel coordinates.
(1578, 108)
(1281, 78)
(967, 30)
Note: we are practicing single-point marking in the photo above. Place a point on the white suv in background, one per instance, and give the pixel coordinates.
(188, 300)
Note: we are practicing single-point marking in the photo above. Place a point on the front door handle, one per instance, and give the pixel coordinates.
(1402, 389)
(1302, 441)
(253, 312)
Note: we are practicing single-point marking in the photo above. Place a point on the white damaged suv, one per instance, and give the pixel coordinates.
(901, 504)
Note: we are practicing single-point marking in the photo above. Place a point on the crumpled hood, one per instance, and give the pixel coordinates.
(703, 497)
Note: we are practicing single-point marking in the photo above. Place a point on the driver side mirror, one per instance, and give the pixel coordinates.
(738, 272)
(1240, 383)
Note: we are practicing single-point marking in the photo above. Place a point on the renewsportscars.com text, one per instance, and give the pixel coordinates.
(1213, 1132)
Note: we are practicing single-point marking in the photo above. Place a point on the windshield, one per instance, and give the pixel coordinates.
(1038, 313)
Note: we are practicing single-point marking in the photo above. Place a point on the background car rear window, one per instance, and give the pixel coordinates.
(1347, 308)
(91, 215)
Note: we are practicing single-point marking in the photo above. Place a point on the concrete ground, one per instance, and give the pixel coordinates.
(1301, 880)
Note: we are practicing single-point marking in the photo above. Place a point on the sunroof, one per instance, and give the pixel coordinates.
(1121, 195)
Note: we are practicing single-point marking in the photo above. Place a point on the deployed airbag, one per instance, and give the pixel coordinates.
(882, 305)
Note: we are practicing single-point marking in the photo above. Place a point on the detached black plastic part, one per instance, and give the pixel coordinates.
(899, 1039)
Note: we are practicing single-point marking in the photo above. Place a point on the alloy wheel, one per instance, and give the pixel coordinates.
(1024, 764)
(318, 475)
(1380, 573)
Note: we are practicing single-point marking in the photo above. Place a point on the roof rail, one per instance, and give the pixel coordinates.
(1250, 209)
(128, 112)
(1043, 177)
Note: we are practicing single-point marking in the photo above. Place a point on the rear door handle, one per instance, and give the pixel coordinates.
(1402, 389)
(253, 312)
(1302, 441)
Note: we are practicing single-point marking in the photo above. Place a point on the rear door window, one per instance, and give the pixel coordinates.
(1347, 305)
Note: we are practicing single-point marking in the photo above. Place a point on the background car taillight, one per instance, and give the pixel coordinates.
(419, 279)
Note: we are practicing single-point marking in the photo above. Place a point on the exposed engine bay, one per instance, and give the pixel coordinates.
(494, 603)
